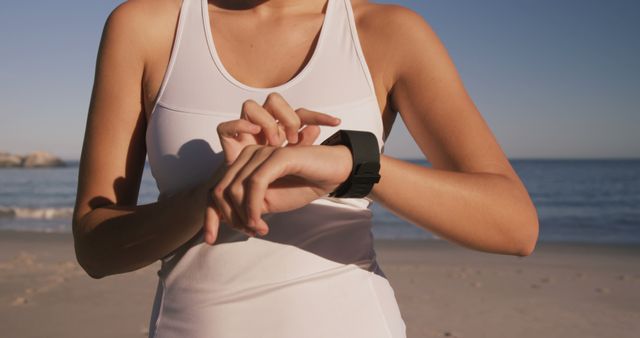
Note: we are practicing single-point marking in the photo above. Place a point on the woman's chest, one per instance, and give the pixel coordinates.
(251, 60)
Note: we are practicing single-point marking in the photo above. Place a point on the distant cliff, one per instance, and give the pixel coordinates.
(36, 159)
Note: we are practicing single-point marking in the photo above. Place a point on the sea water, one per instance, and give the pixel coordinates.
(594, 201)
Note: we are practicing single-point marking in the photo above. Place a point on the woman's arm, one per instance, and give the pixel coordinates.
(113, 235)
(471, 195)
(485, 211)
(113, 239)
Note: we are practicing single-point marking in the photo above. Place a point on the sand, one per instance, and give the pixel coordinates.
(562, 290)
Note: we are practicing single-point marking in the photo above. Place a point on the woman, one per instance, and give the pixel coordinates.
(231, 100)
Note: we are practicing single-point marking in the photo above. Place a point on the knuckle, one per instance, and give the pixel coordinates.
(218, 193)
(248, 104)
(255, 180)
(223, 126)
(235, 191)
(249, 108)
(267, 203)
(274, 97)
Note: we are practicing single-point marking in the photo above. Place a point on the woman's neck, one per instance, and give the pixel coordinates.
(268, 7)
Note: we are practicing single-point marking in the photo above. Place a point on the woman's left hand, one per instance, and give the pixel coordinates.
(265, 179)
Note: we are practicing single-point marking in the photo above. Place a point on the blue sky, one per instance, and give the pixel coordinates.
(554, 79)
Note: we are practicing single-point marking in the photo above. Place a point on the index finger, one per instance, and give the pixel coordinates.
(316, 118)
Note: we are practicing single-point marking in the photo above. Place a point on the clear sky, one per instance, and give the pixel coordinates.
(554, 79)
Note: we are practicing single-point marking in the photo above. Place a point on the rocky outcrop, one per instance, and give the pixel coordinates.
(36, 159)
(8, 160)
(41, 159)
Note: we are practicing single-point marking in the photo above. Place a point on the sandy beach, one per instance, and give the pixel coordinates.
(562, 290)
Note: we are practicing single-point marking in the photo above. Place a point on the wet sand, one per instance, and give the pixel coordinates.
(562, 290)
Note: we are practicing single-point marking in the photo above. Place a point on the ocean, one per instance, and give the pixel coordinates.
(592, 201)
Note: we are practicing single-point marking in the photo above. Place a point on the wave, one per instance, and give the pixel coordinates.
(36, 213)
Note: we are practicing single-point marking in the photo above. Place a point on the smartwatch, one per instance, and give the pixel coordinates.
(365, 154)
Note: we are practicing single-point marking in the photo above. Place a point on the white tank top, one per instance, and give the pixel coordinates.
(316, 268)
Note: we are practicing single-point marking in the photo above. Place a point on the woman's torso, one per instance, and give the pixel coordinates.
(316, 268)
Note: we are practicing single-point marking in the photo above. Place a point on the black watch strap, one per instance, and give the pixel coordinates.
(365, 154)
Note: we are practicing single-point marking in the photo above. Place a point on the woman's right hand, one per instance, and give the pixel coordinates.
(270, 124)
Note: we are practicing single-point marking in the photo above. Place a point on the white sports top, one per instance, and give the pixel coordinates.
(315, 273)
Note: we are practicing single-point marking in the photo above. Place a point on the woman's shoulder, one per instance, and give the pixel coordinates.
(144, 12)
(390, 34)
(387, 17)
(144, 20)
(144, 24)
